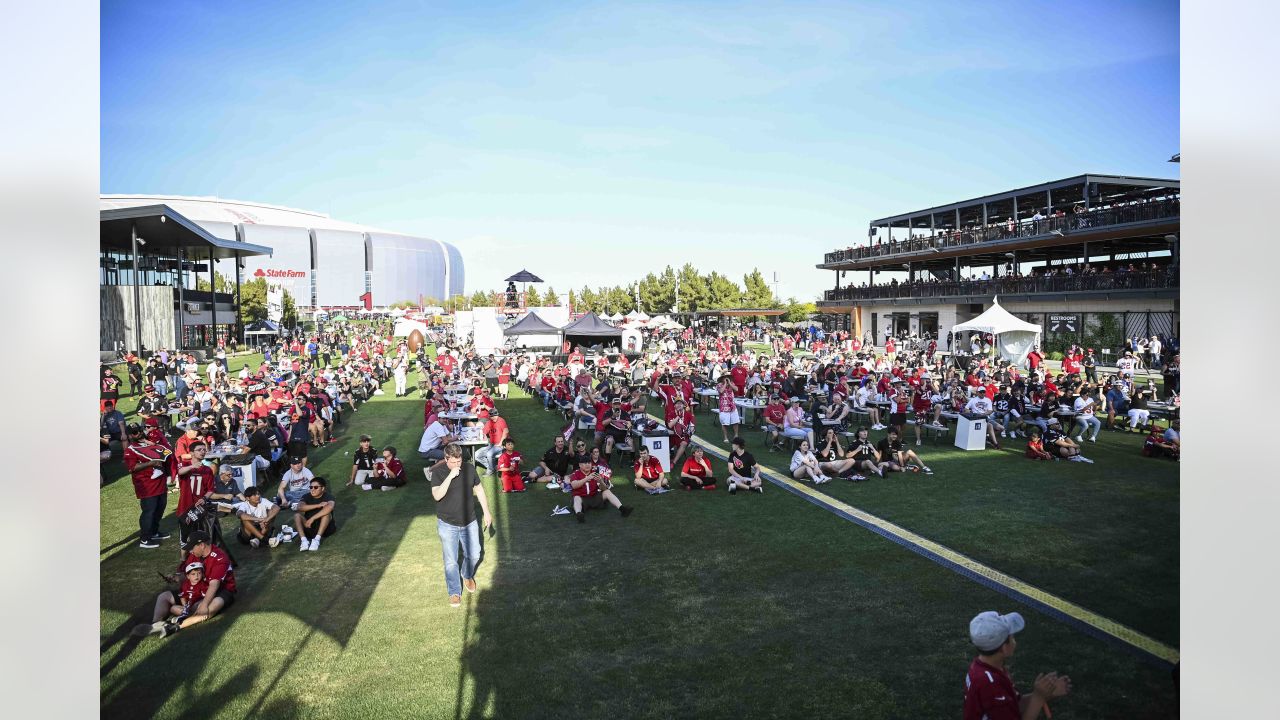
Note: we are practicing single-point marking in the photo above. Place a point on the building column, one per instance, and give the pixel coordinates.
(239, 329)
(137, 301)
(181, 254)
(213, 294)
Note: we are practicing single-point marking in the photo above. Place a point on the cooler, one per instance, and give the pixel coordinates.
(660, 447)
(971, 434)
(243, 469)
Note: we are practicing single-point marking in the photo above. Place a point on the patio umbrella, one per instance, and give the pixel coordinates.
(524, 277)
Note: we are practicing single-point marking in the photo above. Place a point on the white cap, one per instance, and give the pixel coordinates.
(990, 629)
(194, 566)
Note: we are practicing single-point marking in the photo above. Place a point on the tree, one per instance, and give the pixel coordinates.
(550, 299)
(587, 301)
(693, 289)
(253, 300)
(225, 284)
(289, 311)
(455, 303)
(722, 292)
(798, 311)
(757, 293)
(658, 293)
(480, 298)
(532, 298)
(573, 300)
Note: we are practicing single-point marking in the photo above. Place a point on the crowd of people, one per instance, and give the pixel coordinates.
(236, 444)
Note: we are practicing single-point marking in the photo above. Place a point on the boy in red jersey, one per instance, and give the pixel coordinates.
(988, 689)
(589, 490)
(509, 467)
(650, 476)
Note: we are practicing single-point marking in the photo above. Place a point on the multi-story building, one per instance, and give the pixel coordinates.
(1092, 258)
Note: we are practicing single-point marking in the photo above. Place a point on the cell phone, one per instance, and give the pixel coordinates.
(492, 531)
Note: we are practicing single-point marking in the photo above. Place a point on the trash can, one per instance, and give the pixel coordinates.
(244, 469)
(971, 433)
(659, 444)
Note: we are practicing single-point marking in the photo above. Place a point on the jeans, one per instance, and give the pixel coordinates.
(451, 538)
(152, 511)
(180, 389)
(160, 386)
(488, 457)
(433, 454)
(1089, 421)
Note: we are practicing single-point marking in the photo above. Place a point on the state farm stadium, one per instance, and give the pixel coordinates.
(323, 263)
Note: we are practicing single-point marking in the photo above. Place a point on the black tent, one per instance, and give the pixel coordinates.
(591, 330)
(531, 324)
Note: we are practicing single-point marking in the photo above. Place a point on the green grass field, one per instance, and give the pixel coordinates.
(699, 604)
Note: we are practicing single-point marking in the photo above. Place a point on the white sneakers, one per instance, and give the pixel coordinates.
(313, 544)
(366, 486)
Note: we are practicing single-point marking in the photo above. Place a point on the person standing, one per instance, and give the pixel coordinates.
(148, 463)
(455, 486)
(989, 693)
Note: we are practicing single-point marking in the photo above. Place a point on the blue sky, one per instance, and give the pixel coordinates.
(594, 142)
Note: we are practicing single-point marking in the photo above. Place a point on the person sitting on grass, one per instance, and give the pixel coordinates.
(866, 459)
(1059, 445)
(896, 457)
(362, 467)
(294, 483)
(831, 455)
(649, 475)
(1156, 446)
(556, 463)
(509, 461)
(744, 473)
(388, 472)
(217, 594)
(804, 464)
(988, 689)
(256, 515)
(314, 518)
(591, 489)
(1035, 446)
(696, 474)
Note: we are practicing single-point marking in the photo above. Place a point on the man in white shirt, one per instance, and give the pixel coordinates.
(256, 514)
(979, 406)
(1084, 407)
(1126, 364)
(434, 440)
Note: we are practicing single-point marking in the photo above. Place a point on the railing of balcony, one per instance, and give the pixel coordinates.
(1103, 217)
(1010, 285)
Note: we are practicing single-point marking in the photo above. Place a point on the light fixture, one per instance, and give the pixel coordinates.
(161, 218)
(1010, 255)
(1171, 239)
(141, 241)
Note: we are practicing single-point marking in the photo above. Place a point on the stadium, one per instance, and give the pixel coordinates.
(322, 262)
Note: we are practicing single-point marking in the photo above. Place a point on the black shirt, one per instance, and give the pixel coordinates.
(310, 499)
(457, 507)
(887, 448)
(1049, 406)
(744, 465)
(1002, 402)
(260, 443)
(558, 462)
(366, 458)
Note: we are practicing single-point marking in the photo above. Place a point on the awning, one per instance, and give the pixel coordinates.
(163, 229)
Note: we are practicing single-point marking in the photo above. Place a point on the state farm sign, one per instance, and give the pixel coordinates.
(273, 273)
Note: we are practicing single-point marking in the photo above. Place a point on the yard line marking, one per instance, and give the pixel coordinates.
(1073, 615)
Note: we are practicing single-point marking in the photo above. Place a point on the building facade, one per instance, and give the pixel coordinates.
(1093, 259)
(322, 262)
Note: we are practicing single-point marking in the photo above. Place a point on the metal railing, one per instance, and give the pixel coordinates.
(1072, 222)
(1010, 285)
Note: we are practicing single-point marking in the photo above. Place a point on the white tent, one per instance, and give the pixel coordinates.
(637, 316)
(614, 317)
(1014, 337)
(405, 326)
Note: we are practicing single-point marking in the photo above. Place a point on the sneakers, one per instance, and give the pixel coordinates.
(254, 542)
(733, 487)
(1093, 439)
(455, 601)
(858, 478)
(304, 546)
(273, 542)
(148, 544)
(388, 488)
(1002, 433)
(1084, 459)
(625, 510)
(926, 470)
(652, 491)
(469, 584)
(877, 426)
(553, 486)
(161, 536)
(315, 543)
(759, 488)
(1079, 438)
(918, 443)
(366, 486)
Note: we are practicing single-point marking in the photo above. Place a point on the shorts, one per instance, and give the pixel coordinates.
(502, 388)
(898, 419)
(593, 502)
(730, 418)
(619, 435)
(491, 382)
(298, 448)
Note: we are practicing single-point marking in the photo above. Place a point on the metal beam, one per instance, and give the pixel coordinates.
(137, 306)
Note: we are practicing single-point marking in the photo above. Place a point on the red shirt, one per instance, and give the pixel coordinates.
(509, 465)
(495, 429)
(446, 363)
(504, 374)
(651, 470)
(774, 412)
(217, 566)
(144, 485)
(889, 346)
(189, 595)
(183, 446)
(589, 488)
(726, 401)
(697, 469)
(192, 487)
(392, 469)
(739, 377)
(989, 694)
(601, 410)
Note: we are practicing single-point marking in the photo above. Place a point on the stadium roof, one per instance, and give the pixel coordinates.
(236, 212)
(1117, 185)
(161, 228)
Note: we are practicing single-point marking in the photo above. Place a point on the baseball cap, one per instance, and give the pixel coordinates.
(195, 539)
(295, 460)
(990, 629)
(193, 566)
(148, 388)
(365, 438)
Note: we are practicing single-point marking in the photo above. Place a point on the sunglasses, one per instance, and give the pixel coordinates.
(316, 487)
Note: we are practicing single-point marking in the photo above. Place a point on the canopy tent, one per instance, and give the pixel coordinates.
(637, 315)
(533, 331)
(1014, 337)
(590, 330)
(341, 318)
(397, 312)
(262, 327)
(613, 318)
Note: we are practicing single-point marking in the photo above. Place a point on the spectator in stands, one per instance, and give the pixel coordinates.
(773, 421)
(794, 425)
(1139, 414)
(979, 407)
(1085, 405)
(1157, 446)
(1117, 403)
(435, 438)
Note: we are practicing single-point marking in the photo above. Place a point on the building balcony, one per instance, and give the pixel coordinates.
(1104, 223)
(1158, 283)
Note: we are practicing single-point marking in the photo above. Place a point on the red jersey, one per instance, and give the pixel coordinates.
(447, 363)
(774, 412)
(391, 469)
(589, 488)
(989, 694)
(479, 401)
(217, 566)
(651, 470)
(495, 429)
(189, 595)
(726, 401)
(147, 482)
(739, 377)
(697, 469)
(889, 347)
(504, 374)
(602, 410)
(192, 487)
